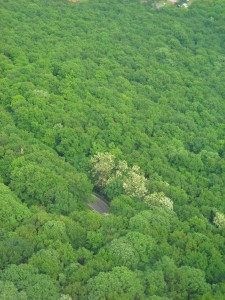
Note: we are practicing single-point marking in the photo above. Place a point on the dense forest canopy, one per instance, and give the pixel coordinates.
(125, 98)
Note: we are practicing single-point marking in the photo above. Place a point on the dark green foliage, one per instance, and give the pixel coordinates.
(14, 250)
(144, 84)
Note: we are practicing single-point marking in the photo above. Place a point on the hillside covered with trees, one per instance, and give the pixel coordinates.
(125, 99)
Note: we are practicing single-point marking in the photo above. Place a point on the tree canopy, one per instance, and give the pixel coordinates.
(124, 99)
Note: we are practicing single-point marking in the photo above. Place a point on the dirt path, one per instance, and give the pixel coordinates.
(99, 204)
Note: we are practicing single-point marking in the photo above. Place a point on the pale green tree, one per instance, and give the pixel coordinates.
(219, 220)
(102, 167)
(135, 183)
(159, 199)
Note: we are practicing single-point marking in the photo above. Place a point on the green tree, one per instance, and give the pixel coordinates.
(192, 282)
(47, 262)
(8, 291)
(124, 206)
(36, 286)
(12, 212)
(53, 230)
(37, 185)
(14, 250)
(120, 283)
(155, 283)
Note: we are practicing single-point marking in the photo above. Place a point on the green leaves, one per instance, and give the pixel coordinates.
(9, 291)
(14, 250)
(134, 250)
(115, 178)
(120, 283)
(35, 286)
(12, 211)
(37, 185)
(128, 85)
(47, 262)
(184, 282)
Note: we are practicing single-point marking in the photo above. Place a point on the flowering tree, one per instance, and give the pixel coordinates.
(219, 220)
(102, 167)
(159, 199)
(135, 183)
(110, 174)
(115, 178)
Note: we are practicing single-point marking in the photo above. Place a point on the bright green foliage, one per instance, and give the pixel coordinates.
(36, 185)
(134, 251)
(9, 292)
(36, 286)
(143, 245)
(95, 240)
(90, 90)
(54, 230)
(121, 253)
(65, 252)
(47, 262)
(192, 282)
(124, 206)
(76, 233)
(155, 282)
(12, 212)
(120, 283)
(187, 281)
(114, 187)
(157, 223)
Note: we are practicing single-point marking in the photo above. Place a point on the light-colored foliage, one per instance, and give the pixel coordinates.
(103, 164)
(219, 220)
(65, 297)
(107, 172)
(135, 183)
(159, 199)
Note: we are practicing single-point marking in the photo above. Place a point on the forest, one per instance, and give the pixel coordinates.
(126, 99)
